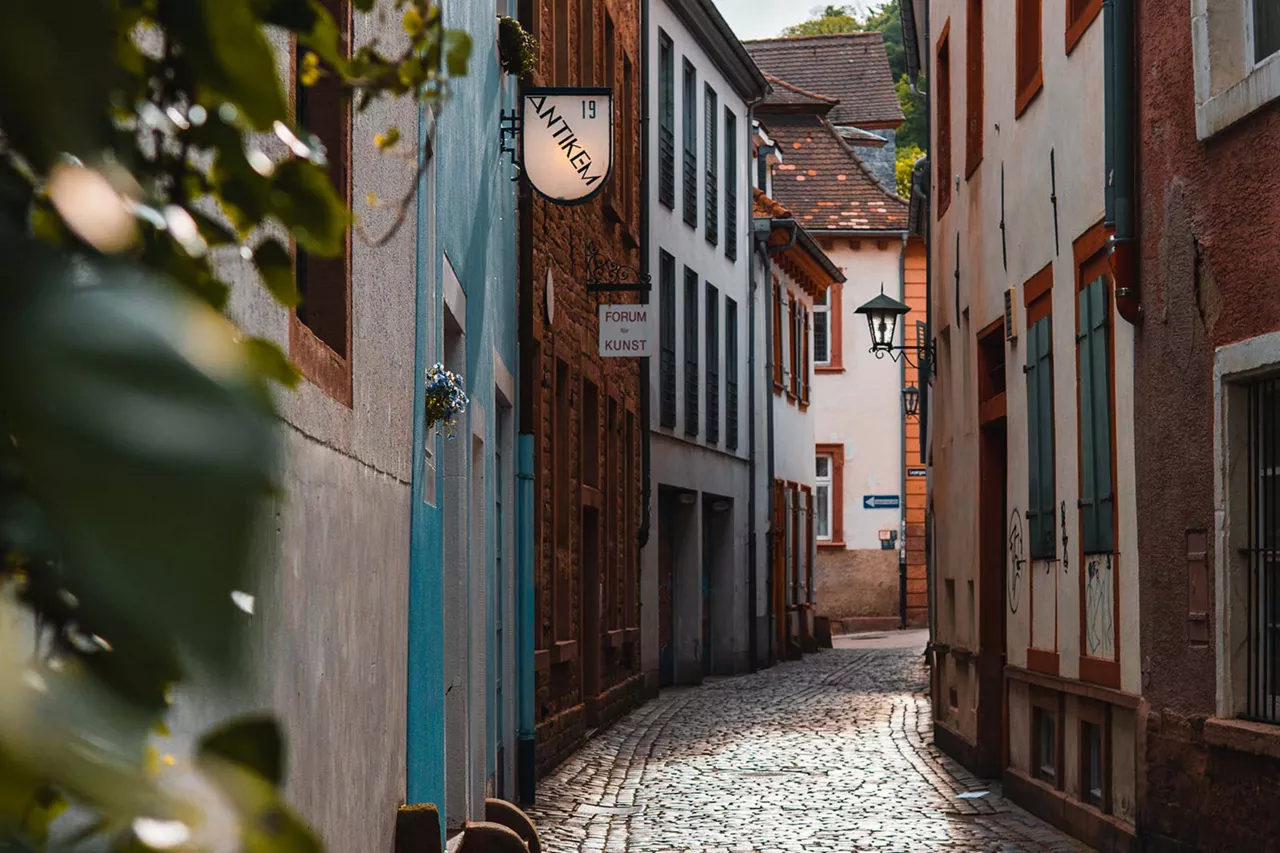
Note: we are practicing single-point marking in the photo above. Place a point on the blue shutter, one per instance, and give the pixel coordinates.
(1099, 421)
(1088, 487)
(1033, 437)
(1040, 463)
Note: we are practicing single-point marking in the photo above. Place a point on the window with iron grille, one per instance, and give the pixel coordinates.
(730, 185)
(1097, 503)
(666, 121)
(731, 373)
(711, 106)
(1040, 494)
(821, 329)
(1263, 551)
(690, 351)
(667, 339)
(713, 364)
(690, 145)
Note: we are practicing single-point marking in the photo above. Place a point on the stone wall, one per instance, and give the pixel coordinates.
(856, 584)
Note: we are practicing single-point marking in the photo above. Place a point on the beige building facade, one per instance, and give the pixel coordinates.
(1036, 658)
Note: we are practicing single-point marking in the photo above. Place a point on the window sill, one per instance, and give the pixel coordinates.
(325, 369)
(972, 166)
(542, 660)
(804, 407)
(1028, 95)
(831, 544)
(1260, 739)
(615, 638)
(564, 651)
(1039, 660)
(828, 368)
(1105, 673)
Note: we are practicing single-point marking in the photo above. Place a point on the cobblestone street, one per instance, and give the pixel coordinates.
(832, 753)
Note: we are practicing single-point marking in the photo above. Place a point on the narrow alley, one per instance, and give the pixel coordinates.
(832, 753)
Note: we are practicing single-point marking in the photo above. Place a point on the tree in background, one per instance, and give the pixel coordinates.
(886, 19)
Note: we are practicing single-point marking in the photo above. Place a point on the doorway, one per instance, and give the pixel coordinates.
(589, 647)
(666, 557)
(993, 508)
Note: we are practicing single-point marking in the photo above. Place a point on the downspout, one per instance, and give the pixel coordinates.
(753, 638)
(902, 542)
(526, 780)
(1121, 154)
(646, 458)
(765, 227)
(926, 395)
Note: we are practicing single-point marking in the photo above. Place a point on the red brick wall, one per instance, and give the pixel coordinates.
(1210, 246)
(561, 237)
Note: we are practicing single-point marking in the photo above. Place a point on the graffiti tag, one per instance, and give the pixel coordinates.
(1065, 563)
(1016, 559)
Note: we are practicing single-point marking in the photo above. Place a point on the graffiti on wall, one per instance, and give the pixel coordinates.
(1065, 561)
(1098, 606)
(1016, 559)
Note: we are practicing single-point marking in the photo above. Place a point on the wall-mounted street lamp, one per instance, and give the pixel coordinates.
(911, 401)
(882, 314)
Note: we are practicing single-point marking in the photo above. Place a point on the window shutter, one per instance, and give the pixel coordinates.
(1033, 437)
(690, 351)
(1047, 508)
(667, 339)
(1088, 487)
(666, 122)
(711, 118)
(1101, 407)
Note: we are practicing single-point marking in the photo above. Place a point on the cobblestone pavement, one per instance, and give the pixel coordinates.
(832, 753)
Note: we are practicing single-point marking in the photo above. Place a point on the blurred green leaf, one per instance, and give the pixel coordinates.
(56, 74)
(275, 265)
(267, 824)
(253, 742)
(140, 424)
(305, 202)
(363, 5)
(457, 50)
(213, 231)
(229, 55)
(272, 363)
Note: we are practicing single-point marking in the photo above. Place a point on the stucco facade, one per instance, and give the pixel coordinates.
(1036, 649)
(1209, 318)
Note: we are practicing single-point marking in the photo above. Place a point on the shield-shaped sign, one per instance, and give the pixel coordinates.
(566, 142)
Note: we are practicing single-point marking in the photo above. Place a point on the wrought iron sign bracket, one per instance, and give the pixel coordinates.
(604, 274)
(921, 356)
(509, 130)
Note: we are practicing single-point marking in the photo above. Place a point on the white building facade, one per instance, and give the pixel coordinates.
(695, 605)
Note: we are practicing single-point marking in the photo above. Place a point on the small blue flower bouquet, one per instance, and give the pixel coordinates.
(446, 398)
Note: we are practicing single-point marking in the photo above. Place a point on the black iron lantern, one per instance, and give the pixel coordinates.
(882, 314)
(911, 401)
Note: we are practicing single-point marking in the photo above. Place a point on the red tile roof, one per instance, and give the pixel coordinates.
(850, 67)
(824, 184)
(783, 94)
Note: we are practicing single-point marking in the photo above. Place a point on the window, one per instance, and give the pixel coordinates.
(943, 66)
(612, 554)
(561, 452)
(1045, 753)
(821, 330)
(586, 42)
(1264, 29)
(804, 356)
(667, 339)
(666, 121)
(690, 145)
(1093, 358)
(630, 615)
(822, 492)
(794, 339)
(590, 439)
(1234, 44)
(730, 185)
(690, 351)
(1041, 503)
(1263, 540)
(320, 328)
(1080, 14)
(1029, 78)
(731, 373)
(1092, 776)
(561, 47)
(713, 364)
(974, 93)
(711, 109)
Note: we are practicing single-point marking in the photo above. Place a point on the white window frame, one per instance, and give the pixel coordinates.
(823, 308)
(1234, 365)
(821, 482)
(1254, 86)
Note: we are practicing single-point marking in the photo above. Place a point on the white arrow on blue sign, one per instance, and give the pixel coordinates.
(880, 502)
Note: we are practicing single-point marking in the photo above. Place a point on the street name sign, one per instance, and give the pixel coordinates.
(625, 331)
(566, 142)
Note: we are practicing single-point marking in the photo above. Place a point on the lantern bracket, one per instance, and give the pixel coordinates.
(606, 274)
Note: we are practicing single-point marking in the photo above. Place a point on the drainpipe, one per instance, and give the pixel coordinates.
(753, 639)
(1121, 154)
(902, 533)
(926, 395)
(646, 458)
(761, 229)
(526, 780)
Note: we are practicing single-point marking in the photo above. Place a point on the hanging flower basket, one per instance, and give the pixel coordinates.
(517, 49)
(446, 398)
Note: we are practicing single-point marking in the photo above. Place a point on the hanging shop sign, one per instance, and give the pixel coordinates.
(566, 142)
(624, 331)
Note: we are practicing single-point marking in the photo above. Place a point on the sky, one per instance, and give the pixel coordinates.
(757, 19)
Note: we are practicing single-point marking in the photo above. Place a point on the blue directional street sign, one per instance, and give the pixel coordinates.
(880, 502)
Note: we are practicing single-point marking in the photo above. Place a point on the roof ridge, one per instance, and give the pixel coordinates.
(857, 34)
(793, 87)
